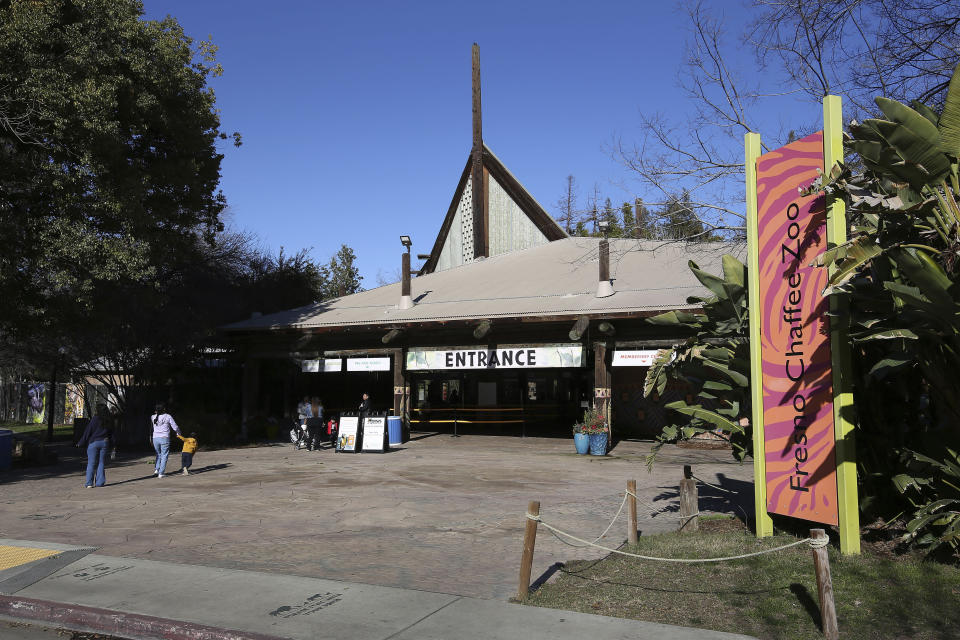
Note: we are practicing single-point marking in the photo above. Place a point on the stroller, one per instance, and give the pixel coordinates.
(299, 435)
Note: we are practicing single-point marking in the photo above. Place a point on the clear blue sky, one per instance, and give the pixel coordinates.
(356, 116)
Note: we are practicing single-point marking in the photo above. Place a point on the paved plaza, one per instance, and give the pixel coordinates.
(437, 514)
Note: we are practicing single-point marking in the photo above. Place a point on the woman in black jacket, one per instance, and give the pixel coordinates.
(96, 439)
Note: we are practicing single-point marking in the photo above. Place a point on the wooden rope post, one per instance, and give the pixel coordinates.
(828, 610)
(632, 511)
(529, 541)
(689, 503)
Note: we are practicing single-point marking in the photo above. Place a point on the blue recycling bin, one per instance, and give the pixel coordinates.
(6, 449)
(395, 430)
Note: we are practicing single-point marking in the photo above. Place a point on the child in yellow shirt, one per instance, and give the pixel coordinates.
(189, 448)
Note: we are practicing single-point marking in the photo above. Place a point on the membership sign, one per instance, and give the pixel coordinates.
(801, 477)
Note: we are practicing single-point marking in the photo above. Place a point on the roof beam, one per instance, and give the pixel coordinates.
(391, 335)
(482, 330)
(606, 328)
(579, 327)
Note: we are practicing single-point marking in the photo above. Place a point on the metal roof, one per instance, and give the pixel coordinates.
(558, 278)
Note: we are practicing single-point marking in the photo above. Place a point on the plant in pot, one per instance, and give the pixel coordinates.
(581, 439)
(595, 427)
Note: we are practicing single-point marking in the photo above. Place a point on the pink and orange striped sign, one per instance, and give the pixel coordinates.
(799, 442)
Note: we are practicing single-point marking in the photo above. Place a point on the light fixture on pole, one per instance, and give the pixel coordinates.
(604, 226)
(405, 241)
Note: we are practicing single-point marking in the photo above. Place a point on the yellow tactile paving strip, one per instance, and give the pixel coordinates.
(15, 556)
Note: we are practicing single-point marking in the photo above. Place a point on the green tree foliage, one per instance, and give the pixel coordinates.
(108, 156)
(714, 360)
(340, 276)
(899, 274)
(629, 222)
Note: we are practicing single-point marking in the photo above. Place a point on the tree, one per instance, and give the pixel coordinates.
(629, 224)
(902, 48)
(614, 228)
(567, 206)
(340, 276)
(108, 157)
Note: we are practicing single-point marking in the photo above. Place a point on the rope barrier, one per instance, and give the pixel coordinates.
(814, 544)
(605, 531)
(656, 510)
(714, 486)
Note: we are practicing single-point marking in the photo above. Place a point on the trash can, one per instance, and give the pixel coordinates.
(395, 430)
(6, 449)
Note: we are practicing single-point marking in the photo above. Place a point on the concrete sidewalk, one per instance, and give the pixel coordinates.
(149, 599)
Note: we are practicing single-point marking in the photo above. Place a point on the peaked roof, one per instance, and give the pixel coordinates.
(553, 279)
(527, 203)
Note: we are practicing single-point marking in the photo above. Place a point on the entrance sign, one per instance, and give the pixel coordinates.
(641, 358)
(326, 365)
(799, 446)
(501, 357)
(804, 456)
(347, 438)
(374, 428)
(368, 364)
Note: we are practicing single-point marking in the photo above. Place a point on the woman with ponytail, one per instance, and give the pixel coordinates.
(162, 424)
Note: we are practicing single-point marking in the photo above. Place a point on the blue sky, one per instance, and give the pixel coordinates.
(356, 116)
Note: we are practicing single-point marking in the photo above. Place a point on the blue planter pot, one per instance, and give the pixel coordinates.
(598, 444)
(582, 442)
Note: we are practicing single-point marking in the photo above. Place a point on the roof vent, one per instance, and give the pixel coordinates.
(406, 302)
(604, 286)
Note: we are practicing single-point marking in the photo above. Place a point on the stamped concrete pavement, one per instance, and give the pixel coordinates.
(439, 514)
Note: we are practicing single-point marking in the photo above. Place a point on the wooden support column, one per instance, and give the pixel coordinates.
(250, 392)
(399, 382)
(602, 381)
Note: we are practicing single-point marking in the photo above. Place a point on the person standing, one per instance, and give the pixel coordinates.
(96, 438)
(365, 405)
(314, 423)
(162, 424)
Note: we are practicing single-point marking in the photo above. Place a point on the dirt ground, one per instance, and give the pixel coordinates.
(438, 513)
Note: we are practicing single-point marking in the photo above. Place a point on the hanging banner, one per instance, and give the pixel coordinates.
(797, 389)
(368, 364)
(640, 358)
(332, 365)
(502, 357)
(309, 366)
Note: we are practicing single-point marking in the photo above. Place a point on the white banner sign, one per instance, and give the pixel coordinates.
(504, 357)
(368, 364)
(642, 358)
(373, 431)
(329, 364)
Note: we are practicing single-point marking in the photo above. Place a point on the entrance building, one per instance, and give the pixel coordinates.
(510, 327)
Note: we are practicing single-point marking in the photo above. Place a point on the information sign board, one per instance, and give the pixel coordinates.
(374, 430)
(347, 439)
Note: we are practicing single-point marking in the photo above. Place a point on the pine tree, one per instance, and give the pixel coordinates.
(340, 276)
(629, 224)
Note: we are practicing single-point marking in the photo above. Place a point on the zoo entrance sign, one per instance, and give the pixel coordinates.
(803, 452)
(500, 357)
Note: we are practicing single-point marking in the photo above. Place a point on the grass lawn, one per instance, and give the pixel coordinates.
(878, 594)
(61, 432)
